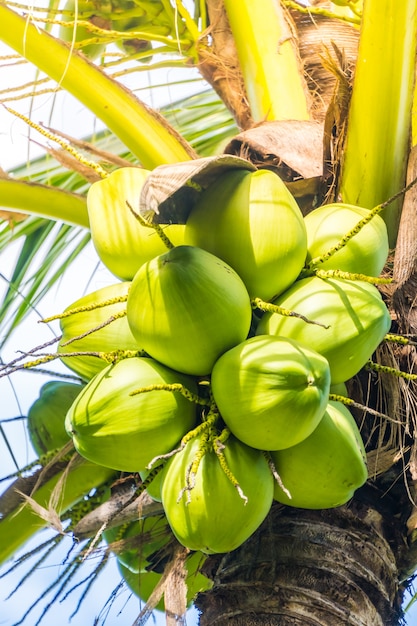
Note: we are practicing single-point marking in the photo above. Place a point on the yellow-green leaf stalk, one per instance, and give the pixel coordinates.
(414, 117)
(49, 202)
(378, 135)
(146, 135)
(272, 76)
(18, 527)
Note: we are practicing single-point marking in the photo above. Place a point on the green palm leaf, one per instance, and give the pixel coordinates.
(45, 255)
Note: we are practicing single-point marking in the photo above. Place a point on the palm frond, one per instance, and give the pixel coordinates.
(45, 255)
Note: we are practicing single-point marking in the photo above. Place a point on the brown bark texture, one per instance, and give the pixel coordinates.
(311, 568)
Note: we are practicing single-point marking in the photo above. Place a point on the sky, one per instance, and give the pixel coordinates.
(18, 394)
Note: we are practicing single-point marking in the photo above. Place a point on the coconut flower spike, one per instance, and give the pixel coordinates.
(219, 445)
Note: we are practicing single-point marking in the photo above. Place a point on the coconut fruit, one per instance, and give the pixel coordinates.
(214, 517)
(111, 427)
(122, 243)
(271, 391)
(365, 253)
(324, 470)
(86, 11)
(142, 584)
(46, 416)
(186, 307)
(353, 315)
(251, 221)
(142, 539)
(114, 336)
(154, 487)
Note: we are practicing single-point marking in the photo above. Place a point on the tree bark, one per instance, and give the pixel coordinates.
(312, 568)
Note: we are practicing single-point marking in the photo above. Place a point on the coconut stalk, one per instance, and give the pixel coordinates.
(379, 122)
(414, 118)
(272, 75)
(143, 131)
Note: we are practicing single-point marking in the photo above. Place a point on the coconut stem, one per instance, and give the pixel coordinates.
(275, 474)
(156, 227)
(404, 341)
(376, 367)
(192, 397)
(192, 469)
(7, 366)
(206, 426)
(108, 321)
(352, 276)
(150, 477)
(64, 144)
(218, 447)
(335, 397)
(268, 307)
(109, 357)
(83, 309)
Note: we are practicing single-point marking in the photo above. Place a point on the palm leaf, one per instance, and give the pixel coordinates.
(31, 278)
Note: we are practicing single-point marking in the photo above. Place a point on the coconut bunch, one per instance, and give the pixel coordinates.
(221, 348)
(91, 25)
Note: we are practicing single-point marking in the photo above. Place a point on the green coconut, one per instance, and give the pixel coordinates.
(46, 416)
(339, 389)
(114, 336)
(271, 391)
(122, 243)
(353, 315)
(324, 470)
(130, 22)
(86, 11)
(213, 517)
(365, 253)
(154, 487)
(252, 222)
(111, 427)
(136, 543)
(142, 584)
(186, 307)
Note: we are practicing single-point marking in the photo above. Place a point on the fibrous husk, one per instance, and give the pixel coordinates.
(317, 33)
(293, 149)
(405, 262)
(219, 64)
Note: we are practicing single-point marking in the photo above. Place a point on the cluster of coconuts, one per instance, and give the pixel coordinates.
(223, 351)
(124, 16)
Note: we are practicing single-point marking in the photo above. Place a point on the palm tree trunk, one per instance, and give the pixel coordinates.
(315, 568)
